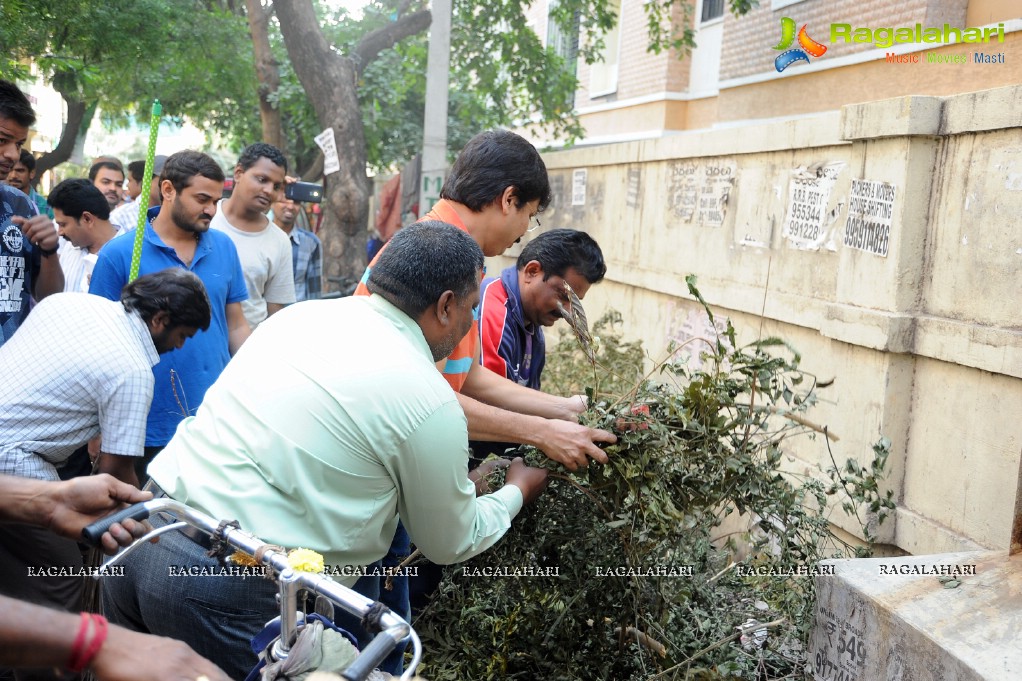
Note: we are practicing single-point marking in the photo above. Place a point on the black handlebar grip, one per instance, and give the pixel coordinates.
(370, 658)
(92, 533)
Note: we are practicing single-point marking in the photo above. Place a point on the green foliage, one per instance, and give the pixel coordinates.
(668, 30)
(193, 56)
(694, 446)
(861, 487)
(622, 361)
(79, 37)
(392, 94)
(501, 73)
(206, 75)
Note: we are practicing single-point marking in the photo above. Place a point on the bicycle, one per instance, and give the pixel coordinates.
(391, 628)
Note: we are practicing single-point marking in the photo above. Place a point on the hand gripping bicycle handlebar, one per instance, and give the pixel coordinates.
(392, 629)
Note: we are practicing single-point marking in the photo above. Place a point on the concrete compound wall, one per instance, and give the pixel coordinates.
(923, 341)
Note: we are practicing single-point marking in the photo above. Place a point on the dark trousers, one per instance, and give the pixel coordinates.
(25, 551)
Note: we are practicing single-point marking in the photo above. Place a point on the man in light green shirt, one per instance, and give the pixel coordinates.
(324, 447)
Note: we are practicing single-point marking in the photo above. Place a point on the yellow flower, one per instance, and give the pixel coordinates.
(305, 560)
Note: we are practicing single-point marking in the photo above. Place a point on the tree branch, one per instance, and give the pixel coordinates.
(267, 72)
(306, 44)
(386, 37)
(314, 171)
(77, 109)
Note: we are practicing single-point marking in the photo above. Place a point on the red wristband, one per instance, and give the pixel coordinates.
(76, 649)
(97, 641)
(83, 653)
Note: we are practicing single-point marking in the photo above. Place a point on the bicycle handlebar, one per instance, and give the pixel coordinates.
(393, 629)
(93, 532)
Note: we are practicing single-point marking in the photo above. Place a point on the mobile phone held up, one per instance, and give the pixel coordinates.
(304, 191)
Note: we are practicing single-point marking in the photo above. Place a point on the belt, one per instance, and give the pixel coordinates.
(196, 535)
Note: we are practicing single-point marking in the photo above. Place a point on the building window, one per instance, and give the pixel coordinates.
(781, 4)
(564, 44)
(712, 9)
(603, 73)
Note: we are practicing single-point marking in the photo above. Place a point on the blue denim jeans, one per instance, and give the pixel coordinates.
(396, 599)
(216, 615)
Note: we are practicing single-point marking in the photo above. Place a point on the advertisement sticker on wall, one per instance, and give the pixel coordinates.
(807, 219)
(870, 213)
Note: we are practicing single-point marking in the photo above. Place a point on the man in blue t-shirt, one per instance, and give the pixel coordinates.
(28, 242)
(177, 234)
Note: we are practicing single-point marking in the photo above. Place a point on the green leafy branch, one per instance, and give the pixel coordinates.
(697, 446)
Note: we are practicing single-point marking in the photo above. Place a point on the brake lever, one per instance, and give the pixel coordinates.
(152, 534)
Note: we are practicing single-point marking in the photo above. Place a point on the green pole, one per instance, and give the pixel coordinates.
(154, 125)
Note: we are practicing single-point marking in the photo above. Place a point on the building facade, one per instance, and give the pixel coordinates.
(861, 203)
(730, 77)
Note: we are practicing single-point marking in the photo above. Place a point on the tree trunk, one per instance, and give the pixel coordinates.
(267, 71)
(330, 82)
(79, 115)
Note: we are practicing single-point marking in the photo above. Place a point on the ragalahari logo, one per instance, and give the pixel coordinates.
(807, 44)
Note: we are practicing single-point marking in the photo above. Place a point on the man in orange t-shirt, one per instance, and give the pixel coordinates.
(495, 188)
